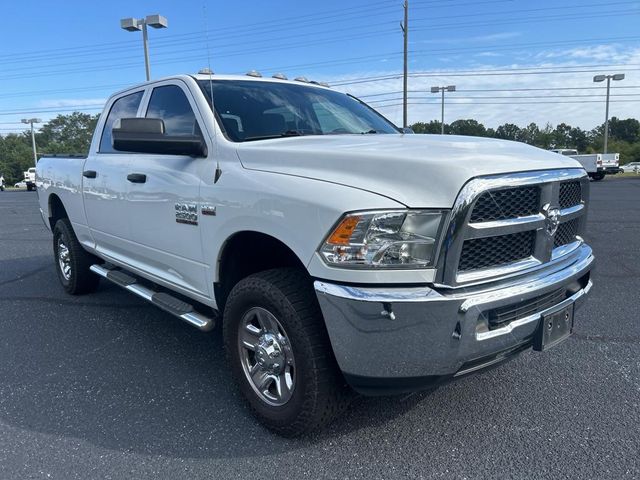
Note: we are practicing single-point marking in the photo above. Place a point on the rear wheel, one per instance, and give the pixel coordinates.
(72, 261)
(597, 177)
(280, 353)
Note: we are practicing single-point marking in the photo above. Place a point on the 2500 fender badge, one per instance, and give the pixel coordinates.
(187, 213)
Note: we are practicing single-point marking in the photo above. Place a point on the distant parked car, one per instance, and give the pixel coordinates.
(21, 184)
(631, 167)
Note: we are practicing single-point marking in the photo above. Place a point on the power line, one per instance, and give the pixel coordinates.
(496, 97)
(471, 104)
(396, 92)
(529, 10)
(545, 18)
(67, 108)
(484, 72)
(170, 40)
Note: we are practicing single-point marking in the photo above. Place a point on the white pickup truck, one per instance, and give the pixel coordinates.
(597, 165)
(30, 179)
(338, 253)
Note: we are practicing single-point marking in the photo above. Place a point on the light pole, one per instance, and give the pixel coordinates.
(449, 88)
(33, 136)
(608, 78)
(135, 24)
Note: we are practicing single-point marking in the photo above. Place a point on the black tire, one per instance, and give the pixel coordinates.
(597, 177)
(320, 392)
(79, 279)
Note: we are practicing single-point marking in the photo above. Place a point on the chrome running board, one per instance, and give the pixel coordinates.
(165, 301)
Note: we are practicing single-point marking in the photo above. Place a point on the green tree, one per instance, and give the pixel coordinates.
(626, 130)
(528, 134)
(561, 136)
(67, 133)
(467, 127)
(432, 127)
(578, 139)
(508, 131)
(16, 156)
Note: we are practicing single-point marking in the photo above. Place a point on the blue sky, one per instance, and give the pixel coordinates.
(511, 60)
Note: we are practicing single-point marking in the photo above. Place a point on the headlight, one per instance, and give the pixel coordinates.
(389, 239)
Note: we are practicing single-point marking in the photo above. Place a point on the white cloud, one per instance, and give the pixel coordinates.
(492, 37)
(71, 102)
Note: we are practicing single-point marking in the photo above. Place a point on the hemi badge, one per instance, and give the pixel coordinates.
(209, 210)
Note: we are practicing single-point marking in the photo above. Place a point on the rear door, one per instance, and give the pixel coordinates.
(163, 205)
(104, 183)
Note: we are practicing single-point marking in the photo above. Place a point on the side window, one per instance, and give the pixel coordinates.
(171, 105)
(124, 107)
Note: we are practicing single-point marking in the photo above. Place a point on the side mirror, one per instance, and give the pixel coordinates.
(147, 135)
(407, 130)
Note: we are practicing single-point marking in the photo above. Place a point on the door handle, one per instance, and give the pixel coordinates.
(137, 177)
(89, 174)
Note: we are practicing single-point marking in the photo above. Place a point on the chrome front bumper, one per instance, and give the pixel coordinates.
(401, 339)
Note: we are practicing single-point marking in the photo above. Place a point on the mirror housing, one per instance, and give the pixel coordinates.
(407, 130)
(147, 135)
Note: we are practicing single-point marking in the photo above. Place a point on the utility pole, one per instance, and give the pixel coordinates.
(405, 33)
(608, 78)
(33, 137)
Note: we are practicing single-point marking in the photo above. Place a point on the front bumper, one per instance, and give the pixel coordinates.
(391, 340)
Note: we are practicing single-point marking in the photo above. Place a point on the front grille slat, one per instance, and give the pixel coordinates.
(499, 250)
(506, 203)
(570, 194)
(566, 233)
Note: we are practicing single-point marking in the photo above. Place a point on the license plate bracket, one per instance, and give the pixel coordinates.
(554, 328)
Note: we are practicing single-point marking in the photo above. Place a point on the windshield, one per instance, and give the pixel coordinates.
(252, 110)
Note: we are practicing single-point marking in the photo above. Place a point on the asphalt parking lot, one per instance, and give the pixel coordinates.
(106, 386)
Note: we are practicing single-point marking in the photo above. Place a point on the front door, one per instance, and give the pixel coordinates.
(163, 198)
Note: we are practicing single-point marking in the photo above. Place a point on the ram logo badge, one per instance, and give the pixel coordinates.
(187, 213)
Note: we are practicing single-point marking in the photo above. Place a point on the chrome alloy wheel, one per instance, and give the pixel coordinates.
(64, 260)
(266, 356)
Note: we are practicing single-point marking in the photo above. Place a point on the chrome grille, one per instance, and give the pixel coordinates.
(491, 251)
(506, 203)
(570, 194)
(504, 224)
(566, 233)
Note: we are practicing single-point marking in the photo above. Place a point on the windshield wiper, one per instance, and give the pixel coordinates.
(288, 133)
(368, 132)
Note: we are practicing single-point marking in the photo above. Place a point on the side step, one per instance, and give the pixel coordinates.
(166, 302)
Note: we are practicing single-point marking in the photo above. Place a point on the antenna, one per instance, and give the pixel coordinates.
(218, 172)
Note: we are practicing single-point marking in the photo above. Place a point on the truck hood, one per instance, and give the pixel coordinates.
(416, 170)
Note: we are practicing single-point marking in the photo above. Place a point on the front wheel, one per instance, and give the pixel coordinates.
(280, 353)
(72, 261)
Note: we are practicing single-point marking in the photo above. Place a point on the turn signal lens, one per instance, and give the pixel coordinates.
(343, 231)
